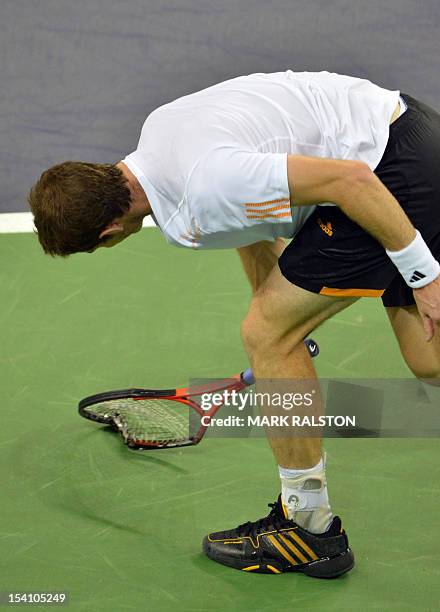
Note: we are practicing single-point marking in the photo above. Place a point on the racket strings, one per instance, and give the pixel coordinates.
(146, 420)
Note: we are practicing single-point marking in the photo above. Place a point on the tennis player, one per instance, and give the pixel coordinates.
(348, 168)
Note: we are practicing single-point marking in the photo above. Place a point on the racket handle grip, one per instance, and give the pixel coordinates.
(248, 377)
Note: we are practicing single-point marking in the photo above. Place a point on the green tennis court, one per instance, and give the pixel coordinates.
(121, 531)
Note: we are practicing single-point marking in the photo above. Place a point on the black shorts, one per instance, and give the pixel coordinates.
(332, 255)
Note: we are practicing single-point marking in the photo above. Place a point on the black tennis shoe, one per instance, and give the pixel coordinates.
(274, 544)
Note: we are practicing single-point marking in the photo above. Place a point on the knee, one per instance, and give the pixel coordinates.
(262, 335)
(429, 377)
(427, 373)
(423, 360)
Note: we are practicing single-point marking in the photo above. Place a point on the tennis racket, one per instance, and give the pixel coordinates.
(166, 418)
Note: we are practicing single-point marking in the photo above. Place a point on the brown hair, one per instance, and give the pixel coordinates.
(73, 202)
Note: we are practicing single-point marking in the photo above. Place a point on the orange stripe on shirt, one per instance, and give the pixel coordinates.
(270, 209)
(268, 216)
(267, 203)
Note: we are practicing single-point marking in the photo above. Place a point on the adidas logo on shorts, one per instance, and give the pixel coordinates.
(326, 227)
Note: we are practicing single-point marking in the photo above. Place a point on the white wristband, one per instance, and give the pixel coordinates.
(416, 263)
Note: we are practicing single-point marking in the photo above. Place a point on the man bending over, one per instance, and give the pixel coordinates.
(348, 168)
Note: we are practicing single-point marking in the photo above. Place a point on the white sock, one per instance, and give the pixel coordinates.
(305, 497)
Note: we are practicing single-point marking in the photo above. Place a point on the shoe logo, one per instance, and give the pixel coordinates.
(326, 227)
(416, 276)
(293, 500)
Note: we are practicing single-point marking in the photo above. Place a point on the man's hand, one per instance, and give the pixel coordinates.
(428, 303)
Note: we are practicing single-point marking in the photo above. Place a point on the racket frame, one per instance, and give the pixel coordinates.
(181, 395)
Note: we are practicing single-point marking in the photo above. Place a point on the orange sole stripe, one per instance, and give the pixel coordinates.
(273, 569)
(332, 291)
(250, 568)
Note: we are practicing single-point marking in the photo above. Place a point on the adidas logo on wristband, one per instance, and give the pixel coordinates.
(416, 276)
(413, 258)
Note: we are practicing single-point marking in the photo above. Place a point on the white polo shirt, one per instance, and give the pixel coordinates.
(213, 164)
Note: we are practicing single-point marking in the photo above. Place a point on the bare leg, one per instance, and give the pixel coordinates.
(280, 316)
(258, 260)
(423, 358)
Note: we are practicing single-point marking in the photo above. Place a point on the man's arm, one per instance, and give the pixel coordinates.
(356, 190)
(353, 187)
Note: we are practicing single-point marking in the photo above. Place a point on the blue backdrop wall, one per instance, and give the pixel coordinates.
(79, 78)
